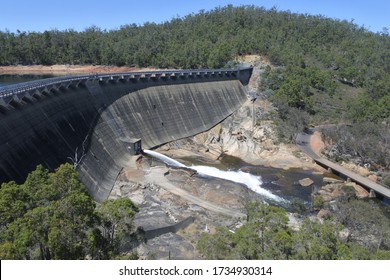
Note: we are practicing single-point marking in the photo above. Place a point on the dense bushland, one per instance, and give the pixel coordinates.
(358, 230)
(51, 216)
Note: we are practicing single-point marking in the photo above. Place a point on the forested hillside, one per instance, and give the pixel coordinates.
(211, 39)
(325, 70)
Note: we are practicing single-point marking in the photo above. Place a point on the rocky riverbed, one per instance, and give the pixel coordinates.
(167, 196)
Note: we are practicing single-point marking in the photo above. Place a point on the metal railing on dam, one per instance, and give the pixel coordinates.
(88, 120)
(14, 90)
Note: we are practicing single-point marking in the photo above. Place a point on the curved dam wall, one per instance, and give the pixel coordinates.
(91, 119)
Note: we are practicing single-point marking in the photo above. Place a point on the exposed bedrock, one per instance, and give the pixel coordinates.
(91, 122)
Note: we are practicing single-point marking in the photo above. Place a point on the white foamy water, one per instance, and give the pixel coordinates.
(164, 158)
(251, 181)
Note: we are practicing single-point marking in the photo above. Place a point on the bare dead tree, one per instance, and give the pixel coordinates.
(76, 159)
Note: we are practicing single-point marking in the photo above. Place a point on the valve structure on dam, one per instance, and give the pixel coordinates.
(91, 120)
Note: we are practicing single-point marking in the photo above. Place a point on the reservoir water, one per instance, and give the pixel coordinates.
(6, 79)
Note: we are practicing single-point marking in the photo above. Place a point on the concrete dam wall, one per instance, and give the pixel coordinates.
(92, 119)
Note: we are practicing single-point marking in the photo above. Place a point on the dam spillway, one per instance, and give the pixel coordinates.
(91, 119)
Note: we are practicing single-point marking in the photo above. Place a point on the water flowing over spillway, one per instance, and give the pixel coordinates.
(249, 180)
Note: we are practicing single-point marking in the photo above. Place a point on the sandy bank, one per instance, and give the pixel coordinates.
(67, 69)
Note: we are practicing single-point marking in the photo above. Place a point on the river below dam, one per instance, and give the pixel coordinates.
(276, 186)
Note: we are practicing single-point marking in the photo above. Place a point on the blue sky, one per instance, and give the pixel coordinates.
(41, 15)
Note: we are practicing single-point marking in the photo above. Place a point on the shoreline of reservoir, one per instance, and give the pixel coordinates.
(66, 69)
